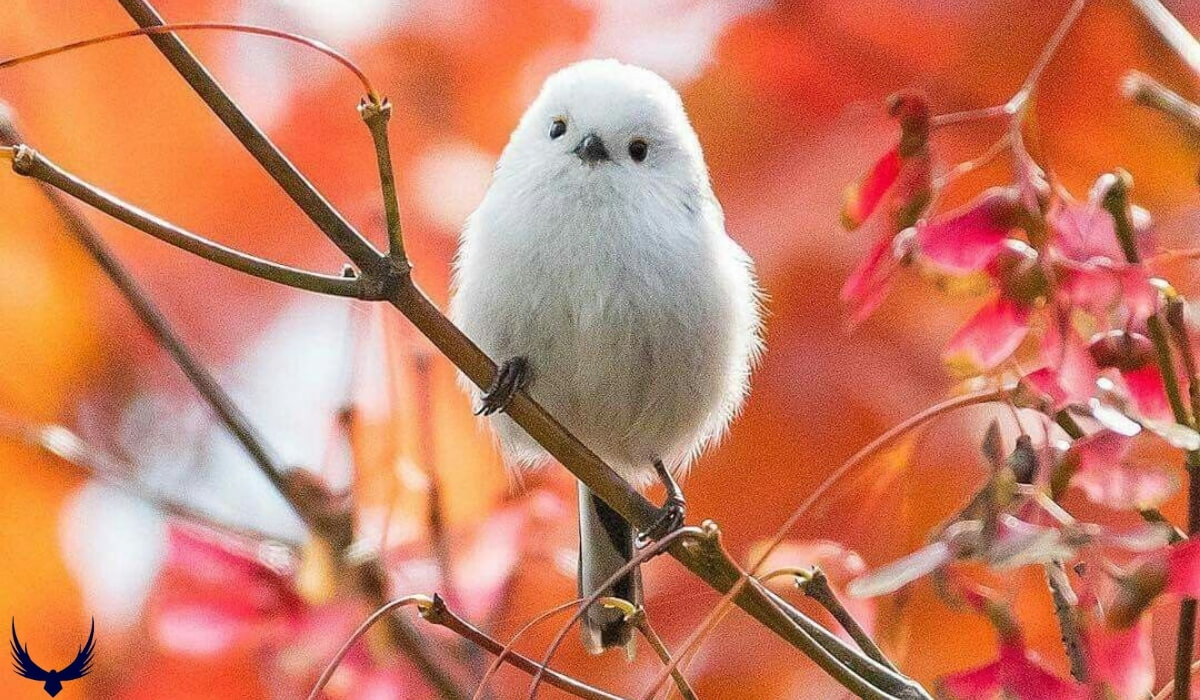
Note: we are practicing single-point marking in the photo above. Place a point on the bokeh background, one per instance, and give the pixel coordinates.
(787, 99)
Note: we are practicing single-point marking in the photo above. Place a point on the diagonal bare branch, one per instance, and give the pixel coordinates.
(302, 192)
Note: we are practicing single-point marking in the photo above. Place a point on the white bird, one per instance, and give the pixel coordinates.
(597, 270)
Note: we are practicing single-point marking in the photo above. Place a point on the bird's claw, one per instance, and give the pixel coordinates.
(511, 377)
(670, 519)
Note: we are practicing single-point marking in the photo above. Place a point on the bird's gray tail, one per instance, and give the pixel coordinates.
(606, 543)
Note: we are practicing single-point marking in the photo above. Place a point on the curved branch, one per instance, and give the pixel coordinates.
(26, 161)
(317, 208)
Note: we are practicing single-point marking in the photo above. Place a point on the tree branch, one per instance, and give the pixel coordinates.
(30, 163)
(1148, 92)
(302, 192)
(206, 385)
(439, 614)
(382, 280)
(1172, 31)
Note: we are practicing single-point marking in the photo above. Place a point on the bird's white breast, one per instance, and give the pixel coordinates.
(637, 314)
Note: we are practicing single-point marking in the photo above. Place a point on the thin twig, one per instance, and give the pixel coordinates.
(512, 642)
(439, 614)
(152, 317)
(199, 26)
(1172, 31)
(28, 162)
(60, 441)
(1065, 602)
(376, 114)
(302, 192)
(1148, 92)
(638, 618)
(422, 602)
(642, 556)
(1165, 692)
(1019, 101)
(1116, 202)
(816, 586)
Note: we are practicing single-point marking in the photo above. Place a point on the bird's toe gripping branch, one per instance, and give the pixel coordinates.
(673, 510)
(512, 376)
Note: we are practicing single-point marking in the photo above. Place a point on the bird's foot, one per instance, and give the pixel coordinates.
(671, 514)
(511, 377)
(669, 520)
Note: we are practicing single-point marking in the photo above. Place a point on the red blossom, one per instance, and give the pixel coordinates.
(989, 337)
(891, 196)
(969, 238)
(1121, 661)
(1017, 674)
(1101, 469)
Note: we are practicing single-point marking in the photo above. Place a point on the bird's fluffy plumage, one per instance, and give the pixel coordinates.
(638, 315)
(616, 280)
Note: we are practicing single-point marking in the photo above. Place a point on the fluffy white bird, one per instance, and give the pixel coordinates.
(598, 271)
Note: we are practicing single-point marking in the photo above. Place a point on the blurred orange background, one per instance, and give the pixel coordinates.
(787, 100)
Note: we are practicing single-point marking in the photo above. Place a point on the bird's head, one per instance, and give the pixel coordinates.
(602, 124)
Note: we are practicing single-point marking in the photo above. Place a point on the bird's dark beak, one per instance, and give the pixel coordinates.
(591, 150)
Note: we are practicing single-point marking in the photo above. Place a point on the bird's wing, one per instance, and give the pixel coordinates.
(23, 664)
(82, 664)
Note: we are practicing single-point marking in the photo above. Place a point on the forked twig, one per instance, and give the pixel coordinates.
(638, 618)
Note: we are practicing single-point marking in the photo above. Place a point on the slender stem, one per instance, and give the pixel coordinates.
(1172, 31)
(1148, 92)
(1020, 100)
(481, 689)
(439, 614)
(30, 163)
(1065, 602)
(152, 317)
(1116, 202)
(1165, 692)
(816, 586)
(641, 621)
(422, 602)
(61, 442)
(376, 115)
(302, 192)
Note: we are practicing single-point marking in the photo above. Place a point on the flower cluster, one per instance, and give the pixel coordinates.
(1077, 325)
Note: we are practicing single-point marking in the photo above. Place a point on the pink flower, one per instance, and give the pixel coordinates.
(1068, 374)
(969, 238)
(892, 196)
(1121, 661)
(988, 338)
(1017, 674)
(1099, 466)
(1132, 355)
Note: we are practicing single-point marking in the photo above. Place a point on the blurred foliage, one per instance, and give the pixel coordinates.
(787, 100)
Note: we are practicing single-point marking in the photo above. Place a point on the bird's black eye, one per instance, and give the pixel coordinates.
(558, 128)
(637, 150)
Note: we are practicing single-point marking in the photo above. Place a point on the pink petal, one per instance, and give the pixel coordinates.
(868, 284)
(1070, 372)
(988, 338)
(1122, 660)
(863, 197)
(967, 239)
(1083, 231)
(1092, 287)
(981, 683)
(1017, 674)
(1183, 569)
(1149, 394)
(1103, 474)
